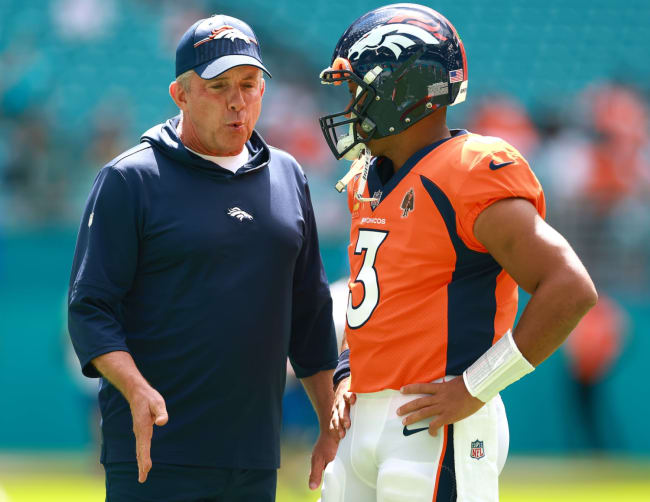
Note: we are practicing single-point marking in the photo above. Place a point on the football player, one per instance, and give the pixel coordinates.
(444, 225)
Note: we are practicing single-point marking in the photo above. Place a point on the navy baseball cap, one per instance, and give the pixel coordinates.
(216, 44)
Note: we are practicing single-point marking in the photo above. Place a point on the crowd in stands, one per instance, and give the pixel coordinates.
(593, 159)
(591, 150)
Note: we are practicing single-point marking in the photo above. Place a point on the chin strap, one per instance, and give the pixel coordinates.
(361, 165)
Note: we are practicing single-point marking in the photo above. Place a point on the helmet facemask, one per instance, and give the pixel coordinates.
(385, 104)
(342, 130)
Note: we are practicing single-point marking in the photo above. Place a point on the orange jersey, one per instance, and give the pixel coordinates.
(426, 299)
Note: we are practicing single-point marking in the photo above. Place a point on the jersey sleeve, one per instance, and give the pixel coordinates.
(501, 174)
(103, 269)
(312, 347)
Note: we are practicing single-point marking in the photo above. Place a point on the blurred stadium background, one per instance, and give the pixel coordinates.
(566, 82)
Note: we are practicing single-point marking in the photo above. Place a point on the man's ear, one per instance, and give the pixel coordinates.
(178, 94)
(263, 86)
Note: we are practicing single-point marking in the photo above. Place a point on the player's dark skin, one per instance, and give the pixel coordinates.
(537, 257)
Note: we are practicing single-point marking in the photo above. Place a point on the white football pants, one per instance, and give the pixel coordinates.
(379, 461)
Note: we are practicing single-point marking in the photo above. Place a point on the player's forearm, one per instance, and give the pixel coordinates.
(321, 395)
(119, 368)
(556, 306)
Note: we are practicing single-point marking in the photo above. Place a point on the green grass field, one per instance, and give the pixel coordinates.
(71, 478)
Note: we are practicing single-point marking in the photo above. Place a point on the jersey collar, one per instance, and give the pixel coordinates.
(383, 164)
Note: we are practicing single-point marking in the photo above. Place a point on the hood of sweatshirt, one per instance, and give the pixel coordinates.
(164, 138)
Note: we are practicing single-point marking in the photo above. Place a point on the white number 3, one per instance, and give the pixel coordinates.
(369, 240)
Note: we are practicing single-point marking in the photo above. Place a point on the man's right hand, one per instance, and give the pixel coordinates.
(147, 405)
(343, 399)
(147, 408)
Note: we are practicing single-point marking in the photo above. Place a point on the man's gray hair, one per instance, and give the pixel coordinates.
(184, 80)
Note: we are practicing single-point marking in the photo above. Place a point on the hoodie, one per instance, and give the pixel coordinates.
(209, 279)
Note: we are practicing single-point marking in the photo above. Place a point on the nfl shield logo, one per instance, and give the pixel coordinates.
(477, 450)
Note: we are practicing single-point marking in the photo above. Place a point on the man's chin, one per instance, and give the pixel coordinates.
(233, 142)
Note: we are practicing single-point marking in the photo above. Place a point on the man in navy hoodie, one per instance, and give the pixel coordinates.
(196, 273)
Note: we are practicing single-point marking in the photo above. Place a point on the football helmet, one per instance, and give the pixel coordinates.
(403, 62)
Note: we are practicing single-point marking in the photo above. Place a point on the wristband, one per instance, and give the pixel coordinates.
(501, 365)
(342, 368)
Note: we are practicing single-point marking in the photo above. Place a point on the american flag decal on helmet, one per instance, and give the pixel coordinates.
(455, 76)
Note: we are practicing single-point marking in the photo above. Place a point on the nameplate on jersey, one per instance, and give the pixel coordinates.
(375, 221)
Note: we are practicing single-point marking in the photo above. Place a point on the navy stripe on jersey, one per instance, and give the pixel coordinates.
(374, 178)
(447, 480)
(471, 294)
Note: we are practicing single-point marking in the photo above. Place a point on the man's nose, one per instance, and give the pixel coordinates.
(236, 100)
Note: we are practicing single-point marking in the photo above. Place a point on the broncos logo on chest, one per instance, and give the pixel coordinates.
(239, 214)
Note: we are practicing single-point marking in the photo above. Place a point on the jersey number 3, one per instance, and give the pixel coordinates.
(368, 240)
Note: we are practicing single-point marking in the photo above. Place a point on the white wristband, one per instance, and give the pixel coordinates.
(501, 365)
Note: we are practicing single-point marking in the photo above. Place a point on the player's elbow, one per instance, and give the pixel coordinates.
(591, 297)
(588, 297)
(582, 291)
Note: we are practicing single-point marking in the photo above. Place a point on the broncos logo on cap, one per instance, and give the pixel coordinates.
(393, 36)
(229, 32)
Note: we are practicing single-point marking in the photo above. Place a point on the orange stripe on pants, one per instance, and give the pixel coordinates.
(440, 461)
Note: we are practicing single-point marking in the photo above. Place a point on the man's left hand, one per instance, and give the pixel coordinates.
(323, 453)
(448, 402)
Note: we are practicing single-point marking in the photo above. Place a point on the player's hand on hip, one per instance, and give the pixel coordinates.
(343, 399)
(323, 453)
(147, 408)
(448, 402)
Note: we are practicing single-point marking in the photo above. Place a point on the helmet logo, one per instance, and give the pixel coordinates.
(228, 32)
(423, 22)
(395, 37)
